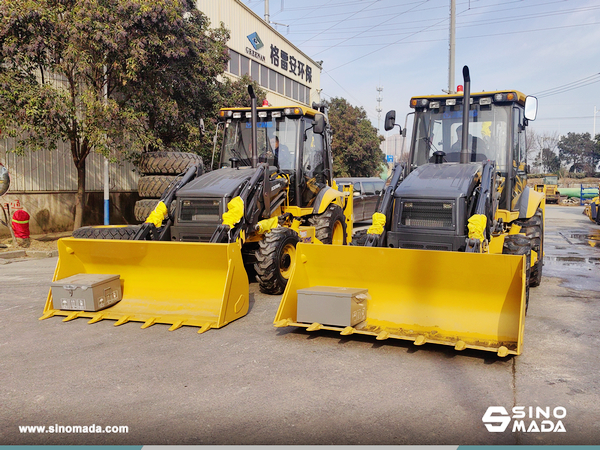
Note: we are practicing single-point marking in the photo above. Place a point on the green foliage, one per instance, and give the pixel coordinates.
(548, 160)
(111, 76)
(580, 152)
(355, 142)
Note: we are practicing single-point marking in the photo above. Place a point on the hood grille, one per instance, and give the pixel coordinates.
(428, 214)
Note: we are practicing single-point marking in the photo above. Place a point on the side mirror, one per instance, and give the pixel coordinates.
(319, 126)
(356, 194)
(390, 120)
(531, 104)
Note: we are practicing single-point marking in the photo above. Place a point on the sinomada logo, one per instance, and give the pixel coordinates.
(526, 419)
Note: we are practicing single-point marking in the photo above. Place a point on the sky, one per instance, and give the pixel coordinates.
(550, 49)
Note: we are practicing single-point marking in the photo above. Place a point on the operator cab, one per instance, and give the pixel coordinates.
(496, 133)
(292, 140)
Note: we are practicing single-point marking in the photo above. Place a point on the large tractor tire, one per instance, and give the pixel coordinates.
(360, 238)
(533, 228)
(117, 232)
(330, 227)
(144, 207)
(153, 186)
(517, 244)
(167, 163)
(275, 260)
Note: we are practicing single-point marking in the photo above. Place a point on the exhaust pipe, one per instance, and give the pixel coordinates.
(464, 151)
(254, 132)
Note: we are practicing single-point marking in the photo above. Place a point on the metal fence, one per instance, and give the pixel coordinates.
(54, 171)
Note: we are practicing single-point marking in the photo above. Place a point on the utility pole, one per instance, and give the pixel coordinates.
(378, 109)
(267, 16)
(594, 132)
(451, 85)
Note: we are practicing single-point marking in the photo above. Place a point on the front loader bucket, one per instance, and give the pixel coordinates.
(466, 300)
(174, 283)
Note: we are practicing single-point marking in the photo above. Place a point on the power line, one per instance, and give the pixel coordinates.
(338, 23)
(374, 26)
(472, 24)
(569, 86)
(389, 45)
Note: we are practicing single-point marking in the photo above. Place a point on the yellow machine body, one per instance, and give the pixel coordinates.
(174, 283)
(466, 300)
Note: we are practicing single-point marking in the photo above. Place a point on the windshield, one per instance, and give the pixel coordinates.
(277, 139)
(441, 129)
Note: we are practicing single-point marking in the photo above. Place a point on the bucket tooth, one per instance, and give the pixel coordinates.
(502, 351)
(314, 327)
(176, 325)
(122, 320)
(282, 323)
(420, 340)
(460, 345)
(347, 331)
(383, 336)
(48, 314)
(204, 328)
(73, 315)
(97, 318)
(148, 323)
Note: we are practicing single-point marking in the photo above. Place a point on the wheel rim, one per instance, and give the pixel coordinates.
(286, 263)
(337, 237)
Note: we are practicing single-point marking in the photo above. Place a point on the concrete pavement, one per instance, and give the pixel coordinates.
(251, 383)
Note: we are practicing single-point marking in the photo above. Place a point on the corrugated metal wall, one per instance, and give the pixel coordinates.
(52, 171)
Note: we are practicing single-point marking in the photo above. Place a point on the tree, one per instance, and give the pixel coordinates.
(546, 146)
(110, 76)
(355, 142)
(579, 150)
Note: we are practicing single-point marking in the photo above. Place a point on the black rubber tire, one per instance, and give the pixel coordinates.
(167, 163)
(326, 223)
(359, 238)
(153, 186)
(116, 232)
(144, 207)
(275, 260)
(517, 244)
(533, 228)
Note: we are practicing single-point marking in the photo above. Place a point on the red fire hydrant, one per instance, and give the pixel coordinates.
(20, 225)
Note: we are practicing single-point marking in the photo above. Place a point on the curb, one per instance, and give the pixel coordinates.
(32, 253)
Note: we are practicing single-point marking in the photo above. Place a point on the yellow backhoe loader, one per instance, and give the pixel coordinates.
(455, 244)
(188, 264)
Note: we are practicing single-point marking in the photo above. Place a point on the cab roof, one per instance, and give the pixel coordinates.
(520, 97)
(304, 110)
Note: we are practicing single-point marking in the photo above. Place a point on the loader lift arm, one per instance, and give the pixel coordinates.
(485, 207)
(149, 230)
(384, 211)
(257, 185)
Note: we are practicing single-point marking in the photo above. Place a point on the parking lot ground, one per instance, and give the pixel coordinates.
(251, 383)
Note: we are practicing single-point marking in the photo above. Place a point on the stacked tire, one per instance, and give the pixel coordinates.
(159, 170)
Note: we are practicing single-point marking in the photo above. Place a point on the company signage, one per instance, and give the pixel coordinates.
(525, 419)
(280, 58)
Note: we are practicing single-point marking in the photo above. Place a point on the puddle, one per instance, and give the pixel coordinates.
(572, 260)
(591, 238)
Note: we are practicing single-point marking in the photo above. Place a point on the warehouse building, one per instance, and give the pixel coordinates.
(258, 50)
(44, 183)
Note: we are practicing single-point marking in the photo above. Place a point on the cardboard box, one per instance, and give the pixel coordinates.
(329, 305)
(86, 292)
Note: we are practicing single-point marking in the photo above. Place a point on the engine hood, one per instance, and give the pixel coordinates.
(440, 181)
(218, 183)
